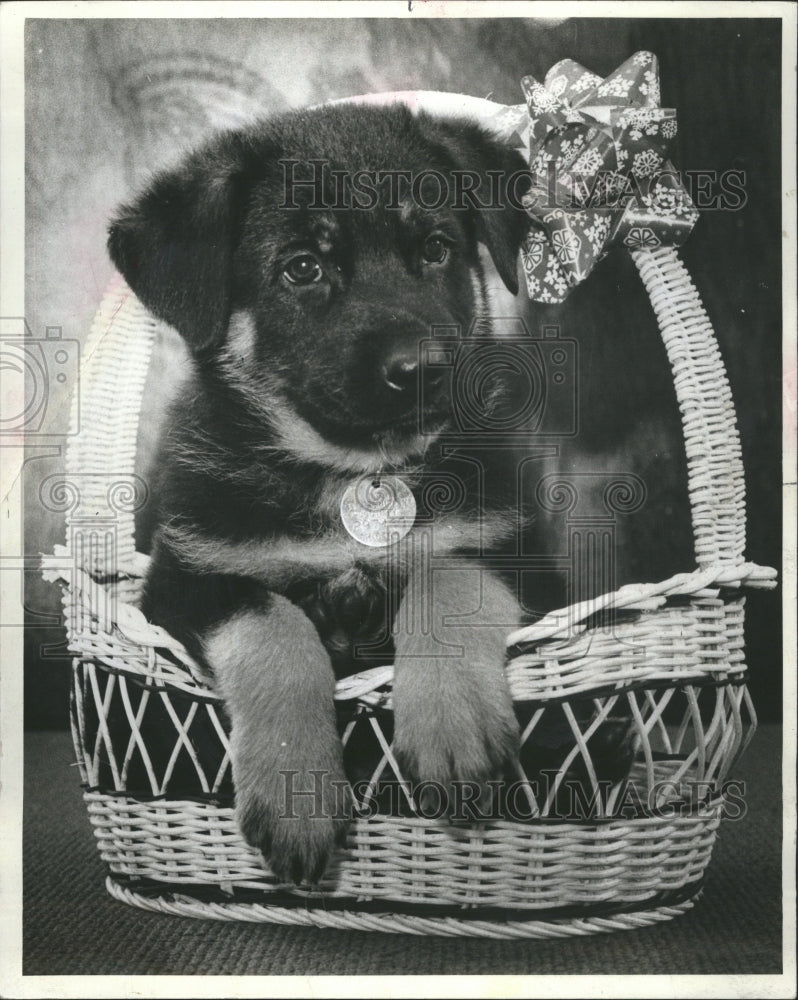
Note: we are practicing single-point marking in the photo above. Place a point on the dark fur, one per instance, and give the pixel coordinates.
(251, 568)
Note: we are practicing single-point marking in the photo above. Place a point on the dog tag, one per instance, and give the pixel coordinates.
(378, 510)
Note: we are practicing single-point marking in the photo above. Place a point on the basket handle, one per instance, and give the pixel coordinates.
(715, 476)
(103, 489)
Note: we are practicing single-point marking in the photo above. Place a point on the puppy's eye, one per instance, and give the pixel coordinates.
(435, 250)
(303, 269)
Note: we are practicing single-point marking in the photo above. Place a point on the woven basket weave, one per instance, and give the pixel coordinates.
(152, 743)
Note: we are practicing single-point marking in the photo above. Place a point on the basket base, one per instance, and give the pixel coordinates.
(395, 923)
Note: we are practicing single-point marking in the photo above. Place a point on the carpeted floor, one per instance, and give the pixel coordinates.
(72, 927)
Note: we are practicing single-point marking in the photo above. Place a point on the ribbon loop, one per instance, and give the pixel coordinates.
(600, 173)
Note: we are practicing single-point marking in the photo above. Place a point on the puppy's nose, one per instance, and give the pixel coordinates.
(400, 373)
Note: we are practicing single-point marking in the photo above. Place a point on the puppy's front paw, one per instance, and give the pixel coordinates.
(292, 798)
(456, 735)
(295, 815)
(454, 717)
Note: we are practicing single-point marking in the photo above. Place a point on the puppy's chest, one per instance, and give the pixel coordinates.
(429, 506)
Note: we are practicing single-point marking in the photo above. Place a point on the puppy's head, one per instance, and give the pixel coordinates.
(311, 256)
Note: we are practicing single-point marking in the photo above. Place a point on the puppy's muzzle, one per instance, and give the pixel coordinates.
(404, 374)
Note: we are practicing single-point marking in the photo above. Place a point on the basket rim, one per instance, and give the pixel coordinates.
(400, 924)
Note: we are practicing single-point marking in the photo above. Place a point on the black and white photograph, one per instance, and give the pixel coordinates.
(398, 499)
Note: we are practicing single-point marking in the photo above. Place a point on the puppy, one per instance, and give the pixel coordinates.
(306, 261)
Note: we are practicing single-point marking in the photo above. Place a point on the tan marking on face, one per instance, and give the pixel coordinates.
(241, 335)
(481, 304)
(298, 437)
(261, 389)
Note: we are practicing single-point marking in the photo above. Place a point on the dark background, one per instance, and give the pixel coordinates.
(87, 147)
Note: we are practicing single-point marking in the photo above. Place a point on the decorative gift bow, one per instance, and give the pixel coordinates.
(600, 172)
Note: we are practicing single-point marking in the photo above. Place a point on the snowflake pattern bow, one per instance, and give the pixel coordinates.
(601, 177)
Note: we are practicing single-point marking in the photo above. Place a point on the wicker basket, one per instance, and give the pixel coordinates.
(152, 744)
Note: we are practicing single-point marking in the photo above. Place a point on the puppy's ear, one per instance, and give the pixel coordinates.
(174, 245)
(502, 226)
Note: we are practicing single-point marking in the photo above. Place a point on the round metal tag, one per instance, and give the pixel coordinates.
(378, 510)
